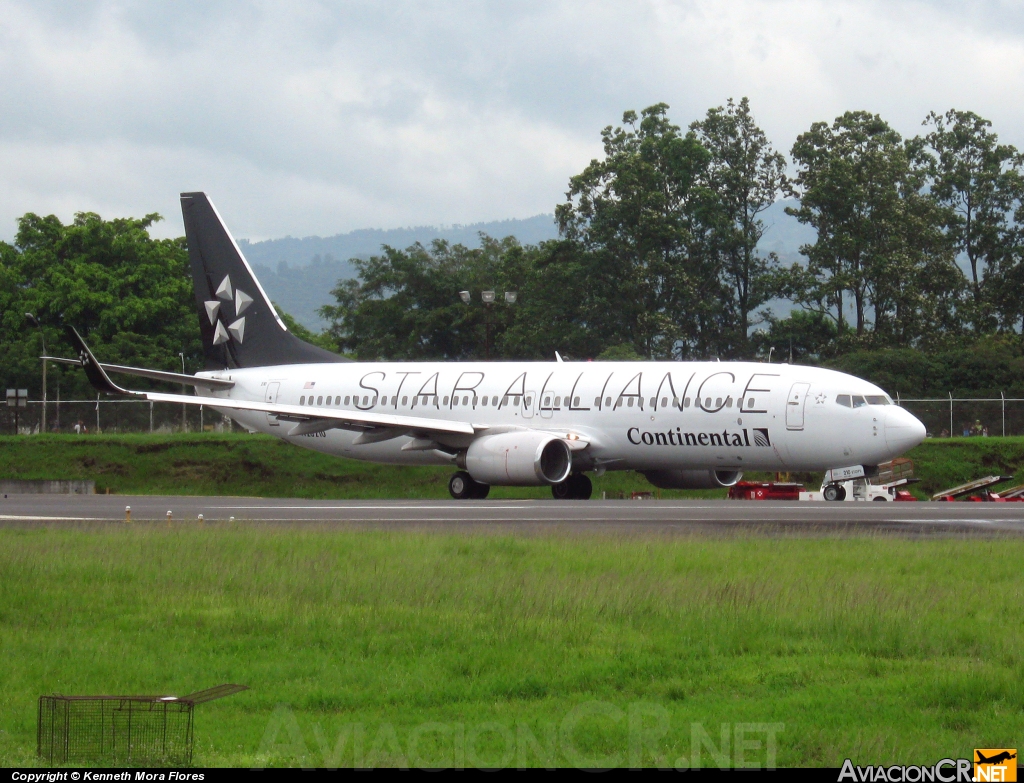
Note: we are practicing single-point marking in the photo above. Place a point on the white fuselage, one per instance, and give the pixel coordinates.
(632, 415)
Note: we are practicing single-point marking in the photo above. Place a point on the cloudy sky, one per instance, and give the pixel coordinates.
(307, 118)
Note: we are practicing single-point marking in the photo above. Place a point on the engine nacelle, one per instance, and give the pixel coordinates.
(693, 479)
(526, 458)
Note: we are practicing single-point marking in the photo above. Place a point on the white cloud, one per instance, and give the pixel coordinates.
(329, 118)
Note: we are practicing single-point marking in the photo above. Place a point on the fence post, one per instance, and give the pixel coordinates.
(1003, 399)
(97, 413)
(951, 414)
(150, 417)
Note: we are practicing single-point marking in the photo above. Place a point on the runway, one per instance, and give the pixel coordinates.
(613, 516)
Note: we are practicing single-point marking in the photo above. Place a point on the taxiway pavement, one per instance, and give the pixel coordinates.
(666, 516)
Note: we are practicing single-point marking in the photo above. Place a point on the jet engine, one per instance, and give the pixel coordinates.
(693, 479)
(518, 458)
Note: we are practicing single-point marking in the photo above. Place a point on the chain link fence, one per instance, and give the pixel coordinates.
(942, 416)
(957, 417)
(106, 415)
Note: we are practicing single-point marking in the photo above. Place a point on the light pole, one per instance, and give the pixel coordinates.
(770, 351)
(184, 390)
(33, 321)
(487, 297)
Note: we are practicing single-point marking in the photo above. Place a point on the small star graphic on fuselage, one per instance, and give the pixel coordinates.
(820, 399)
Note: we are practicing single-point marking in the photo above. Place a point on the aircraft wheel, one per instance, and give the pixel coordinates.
(481, 491)
(584, 487)
(462, 487)
(576, 487)
(562, 490)
(834, 492)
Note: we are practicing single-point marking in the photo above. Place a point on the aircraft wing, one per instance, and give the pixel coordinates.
(373, 426)
(328, 418)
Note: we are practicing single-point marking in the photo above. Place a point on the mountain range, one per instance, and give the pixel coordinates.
(298, 274)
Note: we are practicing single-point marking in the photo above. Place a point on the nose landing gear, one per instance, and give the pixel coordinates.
(577, 487)
(463, 487)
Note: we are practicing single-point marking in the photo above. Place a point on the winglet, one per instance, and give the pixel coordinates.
(93, 370)
(558, 357)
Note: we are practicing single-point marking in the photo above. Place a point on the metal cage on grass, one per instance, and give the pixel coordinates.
(121, 729)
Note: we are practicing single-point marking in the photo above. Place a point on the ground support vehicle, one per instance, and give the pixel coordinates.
(765, 490)
(981, 485)
(853, 483)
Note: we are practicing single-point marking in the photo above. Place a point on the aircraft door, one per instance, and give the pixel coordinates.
(529, 401)
(795, 406)
(272, 392)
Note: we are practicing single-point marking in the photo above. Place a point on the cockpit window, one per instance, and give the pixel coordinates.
(858, 401)
(844, 400)
(878, 400)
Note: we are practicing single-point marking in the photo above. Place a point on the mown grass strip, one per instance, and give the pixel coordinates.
(886, 650)
(256, 465)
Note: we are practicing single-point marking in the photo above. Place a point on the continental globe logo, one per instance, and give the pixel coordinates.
(236, 329)
(995, 764)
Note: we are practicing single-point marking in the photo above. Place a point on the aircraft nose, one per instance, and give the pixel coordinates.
(903, 430)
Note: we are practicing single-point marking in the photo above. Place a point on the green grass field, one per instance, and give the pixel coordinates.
(256, 465)
(437, 649)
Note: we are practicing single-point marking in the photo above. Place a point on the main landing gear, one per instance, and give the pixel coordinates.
(463, 487)
(576, 487)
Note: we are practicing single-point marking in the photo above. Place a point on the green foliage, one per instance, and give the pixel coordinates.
(323, 339)
(875, 648)
(130, 294)
(979, 185)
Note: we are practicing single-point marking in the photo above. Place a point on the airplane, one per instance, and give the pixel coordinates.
(996, 759)
(682, 424)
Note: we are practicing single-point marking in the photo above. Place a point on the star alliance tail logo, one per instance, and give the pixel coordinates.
(237, 328)
(761, 437)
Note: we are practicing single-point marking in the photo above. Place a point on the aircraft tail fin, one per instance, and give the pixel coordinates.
(239, 325)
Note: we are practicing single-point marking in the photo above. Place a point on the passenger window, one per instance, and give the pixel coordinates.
(597, 402)
(515, 400)
(504, 400)
(718, 402)
(686, 402)
(484, 402)
(750, 403)
(319, 400)
(876, 400)
(654, 401)
(337, 400)
(346, 400)
(844, 400)
(494, 400)
(527, 401)
(465, 400)
(576, 402)
(630, 403)
(311, 399)
(445, 402)
(405, 401)
(858, 401)
(365, 399)
(558, 401)
(547, 402)
(728, 402)
(607, 401)
(455, 402)
(707, 402)
(664, 402)
(302, 400)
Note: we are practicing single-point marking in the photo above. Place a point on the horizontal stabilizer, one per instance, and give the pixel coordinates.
(155, 375)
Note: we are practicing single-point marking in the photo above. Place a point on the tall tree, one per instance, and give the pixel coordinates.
(978, 182)
(747, 175)
(864, 191)
(406, 305)
(642, 218)
(130, 293)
